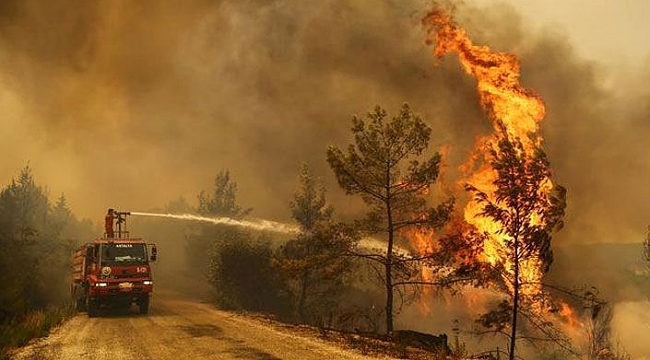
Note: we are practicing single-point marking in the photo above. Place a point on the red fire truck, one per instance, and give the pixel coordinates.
(113, 271)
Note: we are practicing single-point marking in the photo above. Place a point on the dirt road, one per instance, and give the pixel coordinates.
(178, 329)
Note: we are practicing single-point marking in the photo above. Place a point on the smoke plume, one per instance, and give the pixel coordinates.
(131, 104)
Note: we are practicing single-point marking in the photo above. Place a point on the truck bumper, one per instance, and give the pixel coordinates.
(119, 295)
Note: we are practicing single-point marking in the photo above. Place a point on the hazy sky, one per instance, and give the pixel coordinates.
(612, 31)
(131, 104)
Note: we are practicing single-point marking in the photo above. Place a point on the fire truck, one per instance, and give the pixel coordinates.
(113, 271)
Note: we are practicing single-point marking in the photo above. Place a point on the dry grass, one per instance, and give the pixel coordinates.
(33, 325)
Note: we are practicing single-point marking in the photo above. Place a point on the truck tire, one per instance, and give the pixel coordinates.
(93, 309)
(144, 305)
(80, 304)
(79, 297)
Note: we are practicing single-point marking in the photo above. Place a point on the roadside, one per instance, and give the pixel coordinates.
(34, 325)
(180, 328)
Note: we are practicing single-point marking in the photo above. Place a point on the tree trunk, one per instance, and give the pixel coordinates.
(389, 296)
(515, 301)
(302, 297)
(389, 262)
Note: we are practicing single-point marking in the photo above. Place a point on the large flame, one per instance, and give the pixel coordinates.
(507, 104)
(497, 76)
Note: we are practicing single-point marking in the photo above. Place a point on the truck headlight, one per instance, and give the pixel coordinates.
(147, 282)
(101, 284)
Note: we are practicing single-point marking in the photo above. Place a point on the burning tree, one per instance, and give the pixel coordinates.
(515, 206)
(382, 167)
(526, 213)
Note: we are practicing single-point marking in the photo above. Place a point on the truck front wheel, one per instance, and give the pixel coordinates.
(79, 296)
(81, 304)
(144, 305)
(93, 309)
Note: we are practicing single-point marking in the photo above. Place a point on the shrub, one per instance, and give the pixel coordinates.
(244, 279)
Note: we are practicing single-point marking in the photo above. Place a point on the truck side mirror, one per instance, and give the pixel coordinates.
(154, 253)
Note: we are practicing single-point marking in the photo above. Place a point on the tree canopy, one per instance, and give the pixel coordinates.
(223, 200)
(308, 206)
(388, 167)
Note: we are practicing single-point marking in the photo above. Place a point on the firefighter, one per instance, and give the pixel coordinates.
(110, 216)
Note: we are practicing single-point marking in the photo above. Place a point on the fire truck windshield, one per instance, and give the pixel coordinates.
(124, 254)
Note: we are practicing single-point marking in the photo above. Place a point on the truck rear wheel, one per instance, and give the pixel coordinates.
(144, 305)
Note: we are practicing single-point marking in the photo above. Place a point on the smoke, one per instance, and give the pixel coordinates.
(630, 323)
(131, 104)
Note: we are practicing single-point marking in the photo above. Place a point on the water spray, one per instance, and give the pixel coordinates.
(265, 225)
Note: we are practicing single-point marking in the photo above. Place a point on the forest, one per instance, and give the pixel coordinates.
(37, 236)
(353, 276)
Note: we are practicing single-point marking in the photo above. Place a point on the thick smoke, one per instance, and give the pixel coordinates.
(131, 104)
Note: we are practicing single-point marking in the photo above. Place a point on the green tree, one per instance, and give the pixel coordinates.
(36, 238)
(65, 226)
(24, 206)
(527, 216)
(202, 244)
(386, 166)
(315, 261)
(23, 215)
(318, 267)
(223, 201)
(34, 258)
(61, 217)
(309, 206)
(57, 239)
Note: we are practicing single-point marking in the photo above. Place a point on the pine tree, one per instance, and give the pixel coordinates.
(387, 167)
(315, 260)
